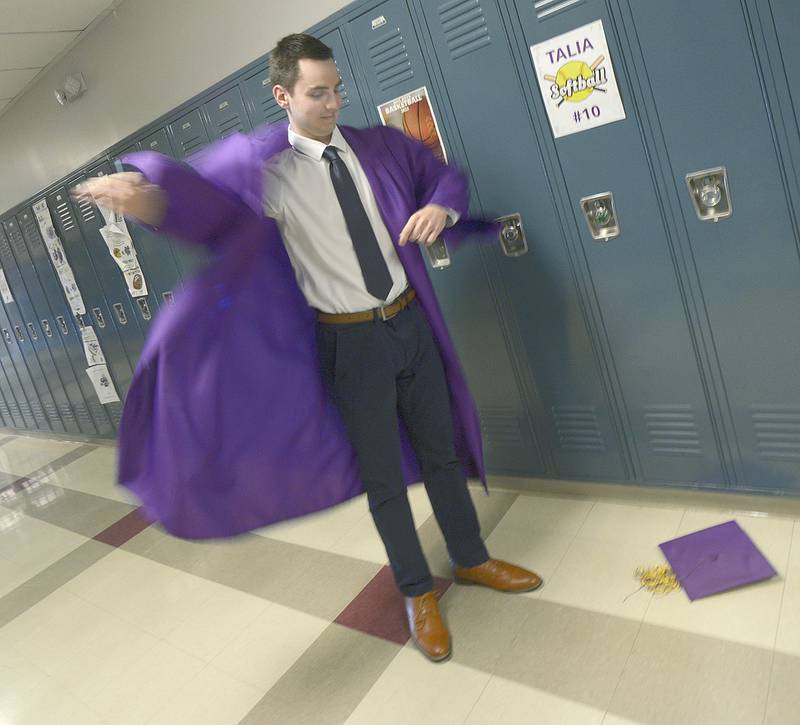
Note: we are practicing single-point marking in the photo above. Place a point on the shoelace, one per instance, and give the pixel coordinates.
(425, 609)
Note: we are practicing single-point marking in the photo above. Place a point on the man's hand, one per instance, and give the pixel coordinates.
(128, 193)
(424, 226)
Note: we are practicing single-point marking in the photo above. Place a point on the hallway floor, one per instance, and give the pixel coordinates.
(106, 619)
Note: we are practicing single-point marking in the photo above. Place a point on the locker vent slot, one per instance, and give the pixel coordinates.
(672, 430)
(51, 411)
(390, 59)
(26, 409)
(578, 428)
(777, 431)
(4, 411)
(17, 242)
(548, 8)
(87, 211)
(193, 143)
(66, 412)
(38, 412)
(464, 27)
(14, 410)
(65, 216)
(84, 418)
(501, 426)
(231, 126)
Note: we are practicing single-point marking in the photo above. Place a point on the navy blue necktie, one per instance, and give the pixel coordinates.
(370, 258)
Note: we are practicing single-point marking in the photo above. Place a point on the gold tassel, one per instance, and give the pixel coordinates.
(659, 579)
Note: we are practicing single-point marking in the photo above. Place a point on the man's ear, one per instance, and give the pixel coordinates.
(281, 96)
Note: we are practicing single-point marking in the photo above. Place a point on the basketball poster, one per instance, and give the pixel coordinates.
(412, 114)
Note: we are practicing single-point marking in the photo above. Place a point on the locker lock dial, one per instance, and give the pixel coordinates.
(601, 216)
(709, 192)
(512, 235)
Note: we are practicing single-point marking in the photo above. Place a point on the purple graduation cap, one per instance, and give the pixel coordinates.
(716, 559)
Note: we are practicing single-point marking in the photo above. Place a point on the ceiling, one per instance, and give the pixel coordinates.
(34, 34)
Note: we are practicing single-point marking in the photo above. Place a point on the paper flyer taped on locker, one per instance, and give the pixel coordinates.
(8, 298)
(59, 259)
(134, 278)
(413, 115)
(576, 79)
(103, 385)
(120, 246)
(91, 346)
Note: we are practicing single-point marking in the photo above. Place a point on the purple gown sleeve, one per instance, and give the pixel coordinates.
(210, 195)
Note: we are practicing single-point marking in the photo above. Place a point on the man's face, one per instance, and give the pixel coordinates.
(314, 103)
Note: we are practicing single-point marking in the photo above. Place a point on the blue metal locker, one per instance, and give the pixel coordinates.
(70, 398)
(390, 61)
(52, 363)
(746, 267)
(225, 114)
(632, 288)
(23, 358)
(548, 326)
(98, 312)
(60, 326)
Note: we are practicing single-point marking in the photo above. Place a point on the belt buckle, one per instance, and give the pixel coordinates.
(382, 310)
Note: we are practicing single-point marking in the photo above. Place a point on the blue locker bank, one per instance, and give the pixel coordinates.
(647, 152)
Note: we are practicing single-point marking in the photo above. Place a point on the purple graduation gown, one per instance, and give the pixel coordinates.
(226, 425)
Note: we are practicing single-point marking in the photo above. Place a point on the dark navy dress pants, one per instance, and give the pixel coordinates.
(373, 371)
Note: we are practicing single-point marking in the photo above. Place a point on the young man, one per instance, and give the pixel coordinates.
(347, 203)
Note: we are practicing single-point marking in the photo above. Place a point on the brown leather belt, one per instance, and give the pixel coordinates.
(379, 313)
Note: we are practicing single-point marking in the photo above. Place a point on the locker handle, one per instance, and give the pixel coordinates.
(144, 308)
(32, 330)
(62, 323)
(121, 316)
(512, 235)
(7, 335)
(18, 333)
(168, 297)
(98, 315)
(47, 329)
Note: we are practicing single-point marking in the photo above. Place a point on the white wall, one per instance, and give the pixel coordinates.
(139, 64)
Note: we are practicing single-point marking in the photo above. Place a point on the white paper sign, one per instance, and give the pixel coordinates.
(103, 385)
(91, 346)
(58, 258)
(134, 278)
(120, 246)
(576, 79)
(8, 298)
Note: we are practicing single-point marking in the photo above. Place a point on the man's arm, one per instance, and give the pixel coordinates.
(192, 203)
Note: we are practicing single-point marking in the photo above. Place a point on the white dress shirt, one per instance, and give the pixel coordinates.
(299, 195)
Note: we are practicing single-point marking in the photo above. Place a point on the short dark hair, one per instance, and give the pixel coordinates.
(284, 61)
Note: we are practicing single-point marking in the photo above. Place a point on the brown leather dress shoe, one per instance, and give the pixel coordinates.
(499, 575)
(427, 628)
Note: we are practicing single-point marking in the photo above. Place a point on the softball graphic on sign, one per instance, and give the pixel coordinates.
(577, 81)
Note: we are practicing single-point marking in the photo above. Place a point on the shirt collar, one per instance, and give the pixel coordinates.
(313, 148)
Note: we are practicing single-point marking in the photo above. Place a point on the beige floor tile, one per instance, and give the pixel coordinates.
(139, 692)
(25, 455)
(783, 703)
(788, 639)
(483, 624)
(94, 473)
(222, 617)
(210, 698)
(600, 576)
(342, 664)
(504, 703)
(539, 551)
(413, 690)
(575, 654)
(154, 597)
(635, 526)
(49, 703)
(29, 546)
(616, 720)
(545, 514)
(362, 542)
(264, 649)
(320, 530)
(676, 678)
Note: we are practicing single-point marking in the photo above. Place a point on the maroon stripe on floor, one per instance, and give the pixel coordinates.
(379, 609)
(125, 529)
